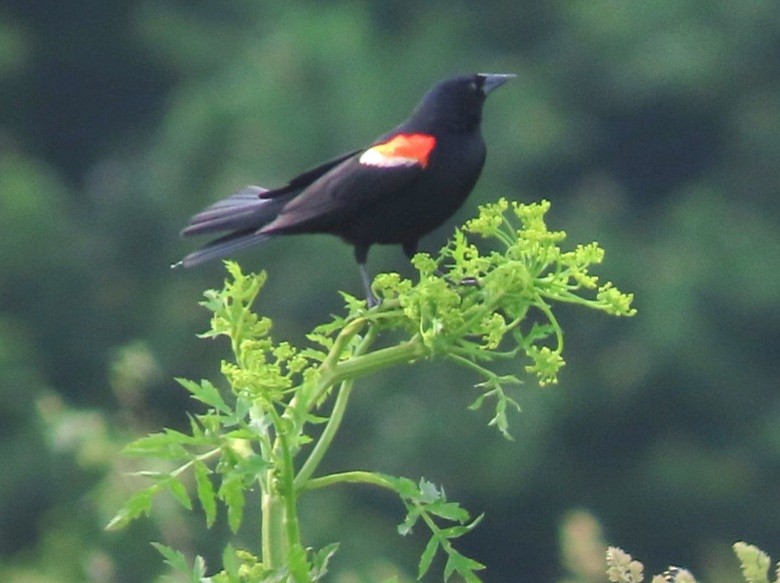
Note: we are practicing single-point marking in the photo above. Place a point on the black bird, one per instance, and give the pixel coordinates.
(404, 185)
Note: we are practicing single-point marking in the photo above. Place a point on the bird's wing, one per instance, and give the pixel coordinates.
(383, 169)
(254, 206)
(306, 178)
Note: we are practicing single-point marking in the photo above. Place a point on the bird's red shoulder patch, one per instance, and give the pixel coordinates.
(400, 150)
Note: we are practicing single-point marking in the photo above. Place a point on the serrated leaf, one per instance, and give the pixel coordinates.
(206, 494)
(500, 420)
(477, 403)
(465, 567)
(404, 487)
(311, 353)
(159, 445)
(410, 520)
(231, 564)
(427, 557)
(206, 393)
(179, 492)
(473, 524)
(428, 492)
(251, 466)
(321, 560)
(315, 419)
(241, 433)
(239, 415)
(755, 563)
(449, 511)
(353, 304)
(232, 494)
(175, 559)
(297, 563)
(460, 529)
(195, 427)
(198, 572)
(188, 384)
(139, 503)
(454, 531)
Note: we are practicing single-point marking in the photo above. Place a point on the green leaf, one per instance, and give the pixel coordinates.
(176, 559)
(449, 511)
(232, 494)
(231, 564)
(297, 564)
(409, 521)
(464, 566)
(404, 487)
(428, 492)
(179, 492)
(250, 467)
(755, 563)
(140, 503)
(206, 494)
(454, 531)
(321, 560)
(427, 557)
(178, 563)
(166, 445)
(207, 393)
(242, 408)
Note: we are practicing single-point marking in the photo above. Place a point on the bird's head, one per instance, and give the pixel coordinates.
(458, 101)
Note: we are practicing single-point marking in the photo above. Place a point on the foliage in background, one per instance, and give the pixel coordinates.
(755, 565)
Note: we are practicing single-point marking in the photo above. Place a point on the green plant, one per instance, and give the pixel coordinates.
(755, 564)
(258, 432)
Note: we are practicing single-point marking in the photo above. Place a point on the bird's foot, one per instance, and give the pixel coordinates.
(466, 281)
(372, 300)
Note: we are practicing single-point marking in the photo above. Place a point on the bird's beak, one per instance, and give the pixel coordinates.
(495, 80)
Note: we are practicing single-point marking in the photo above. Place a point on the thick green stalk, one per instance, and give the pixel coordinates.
(323, 443)
(334, 422)
(355, 477)
(280, 531)
(274, 542)
(357, 366)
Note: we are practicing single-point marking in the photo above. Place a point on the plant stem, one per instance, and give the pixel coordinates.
(356, 477)
(357, 366)
(303, 401)
(292, 529)
(280, 531)
(316, 455)
(274, 543)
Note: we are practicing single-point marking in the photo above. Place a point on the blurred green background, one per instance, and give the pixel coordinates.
(652, 126)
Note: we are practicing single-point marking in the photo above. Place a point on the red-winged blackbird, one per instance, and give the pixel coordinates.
(404, 185)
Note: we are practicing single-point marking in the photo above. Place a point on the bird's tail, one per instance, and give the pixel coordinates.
(243, 213)
(222, 247)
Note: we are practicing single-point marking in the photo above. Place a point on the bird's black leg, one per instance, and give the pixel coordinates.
(361, 256)
(370, 297)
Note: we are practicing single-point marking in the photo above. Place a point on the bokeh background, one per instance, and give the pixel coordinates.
(652, 127)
